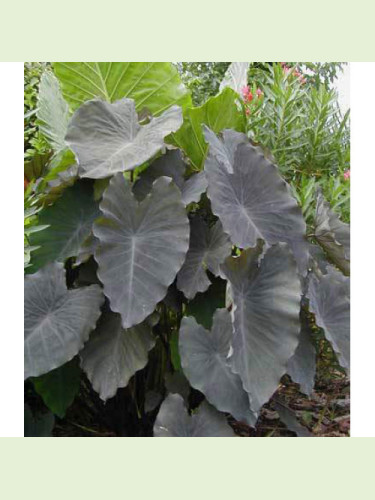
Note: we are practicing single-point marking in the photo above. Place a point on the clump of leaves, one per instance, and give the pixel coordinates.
(181, 277)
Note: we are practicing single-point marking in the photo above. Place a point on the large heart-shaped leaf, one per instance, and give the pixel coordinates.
(171, 165)
(204, 359)
(266, 317)
(142, 246)
(174, 421)
(302, 365)
(329, 298)
(113, 355)
(208, 249)
(70, 222)
(250, 197)
(52, 112)
(59, 387)
(332, 234)
(219, 113)
(107, 138)
(153, 85)
(236, 76)
(57, 321)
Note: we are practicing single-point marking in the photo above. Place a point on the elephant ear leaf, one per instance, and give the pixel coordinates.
(204, 360)
(53, 112)
(332, 234)
(113, 355)
(70, 222)
(208, 249)
(329, 300)
(174, 421)
(141, 246)
(153, 85)
(219, 112)
(170, 165)
(193, 188)
(57, 321)
(107, 138)
(266, 299)
(302, 365)
(265, 209)
(235, 76)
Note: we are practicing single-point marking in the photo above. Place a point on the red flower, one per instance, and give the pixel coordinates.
(247, 94)
(347, 175)
(247, 111)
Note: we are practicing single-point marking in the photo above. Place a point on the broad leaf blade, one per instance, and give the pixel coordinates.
(107, 138)
(70, 222)
(193, 188)
(59, 387)
(204, 359)
(218, 113)
(250, 197)
(113, 355)
(332, 234)
(174, 421)
(302, 365)
(52, 112)
(208, 249)
(266, 318)
(153, 85)
(169, 165)
(142, 246)
(329, 298)
(57, 321)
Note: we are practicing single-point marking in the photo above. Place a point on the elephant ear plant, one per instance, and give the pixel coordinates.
(179, 283)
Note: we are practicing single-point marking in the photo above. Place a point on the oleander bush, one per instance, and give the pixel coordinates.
(176, 256)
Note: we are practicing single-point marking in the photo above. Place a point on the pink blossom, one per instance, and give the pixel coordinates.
(259, 92)
(347, 175)
(245, 90)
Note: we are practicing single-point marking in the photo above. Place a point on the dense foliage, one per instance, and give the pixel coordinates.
(179, 258)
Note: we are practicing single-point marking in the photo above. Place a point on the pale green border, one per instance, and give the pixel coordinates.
(181, 469)
(194, 30)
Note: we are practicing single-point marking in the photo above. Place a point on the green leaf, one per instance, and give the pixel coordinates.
(153, 85)
(70, 220)
(59, 387)
(175, 355)
(53, 111)
(219, 113)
